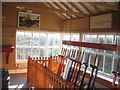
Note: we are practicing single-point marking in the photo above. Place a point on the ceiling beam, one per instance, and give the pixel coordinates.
(105, 5)
(80, 3)
(73, 5)
(28, 6)
(96, 8)
(56, 4)
(59, 14)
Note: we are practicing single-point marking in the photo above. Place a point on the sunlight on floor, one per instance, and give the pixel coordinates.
(16, 86)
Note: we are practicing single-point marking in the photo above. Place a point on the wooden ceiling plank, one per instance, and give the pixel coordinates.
(28, 6)
(85, 8)
(68, 8)
(60, 15)
(67, 15)
(105, 5)
(96, 8)
(83, 14)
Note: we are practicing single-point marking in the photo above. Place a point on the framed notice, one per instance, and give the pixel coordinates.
(28, 20)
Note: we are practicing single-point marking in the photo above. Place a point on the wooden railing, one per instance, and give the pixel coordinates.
(40, 74)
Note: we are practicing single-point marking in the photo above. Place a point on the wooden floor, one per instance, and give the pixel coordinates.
(19, 82)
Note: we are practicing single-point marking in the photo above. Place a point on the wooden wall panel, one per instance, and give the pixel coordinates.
(77, 25)
(101, 21)
(49, 21)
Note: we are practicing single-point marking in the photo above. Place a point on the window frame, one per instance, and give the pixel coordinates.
(102, 74)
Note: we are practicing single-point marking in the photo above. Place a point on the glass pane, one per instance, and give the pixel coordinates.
(42, 39)
(20, 53)
(20, 38)
(108, 64)
(27, 52)
(109, 39)
(86, 49)
(75, 37)
(92, 58)
(56, 40)
(55, 51)
(93, 38)
(42, 52)
(28, 39)
(85, 58)
(101, 63)
(67, 37)
(109, 52)
(35, 52)
(50, 39)
(117, 53)
(101, 39)
(35, 39)
(50, 52)
(118, 39)
(116, 66)
(87, 38)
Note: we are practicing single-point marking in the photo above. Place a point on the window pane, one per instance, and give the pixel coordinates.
(117, 53)
(50, 52)
(35, 52)
(20, 38)
(86, 49)
(75, 37)
(116, 66)
(93, 40)
(92, 58)
(28, 39)
(42, 39)
(85, 58)
(56, 40)
(50, 39)
(87, 38)
(109, 40)
(55, 51)
(20, 53)
(42, 52)
(35, 39)
(67, 37)
(101, 39)
(101, 63)
(108, 64)
(27, 52)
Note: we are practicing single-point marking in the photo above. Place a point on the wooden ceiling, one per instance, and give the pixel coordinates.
(70, 10)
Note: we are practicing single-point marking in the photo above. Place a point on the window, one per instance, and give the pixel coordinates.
(35, 44)
(110, 58)
(71, 37)
(39, 44)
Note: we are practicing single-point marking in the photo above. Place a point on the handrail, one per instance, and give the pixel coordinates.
(110, 47)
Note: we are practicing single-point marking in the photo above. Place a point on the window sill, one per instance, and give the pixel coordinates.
(21, 61)
(104, 76)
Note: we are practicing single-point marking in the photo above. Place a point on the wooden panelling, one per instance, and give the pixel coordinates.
(48, 20)
(77, 25)
(104, 21)
(101, 21)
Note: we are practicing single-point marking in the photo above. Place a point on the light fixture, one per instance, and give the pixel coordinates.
(3, 19)
(20, 7)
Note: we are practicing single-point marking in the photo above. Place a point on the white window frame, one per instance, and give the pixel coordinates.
(102, 74)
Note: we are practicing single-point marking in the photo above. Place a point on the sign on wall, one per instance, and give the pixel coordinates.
(28, 20)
